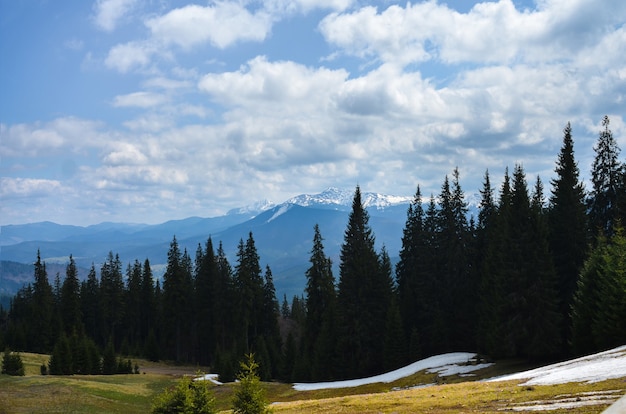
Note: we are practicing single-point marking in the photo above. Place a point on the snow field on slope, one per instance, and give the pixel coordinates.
(592, 368)
(446, 364)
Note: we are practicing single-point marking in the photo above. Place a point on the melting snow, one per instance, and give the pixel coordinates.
(282, 210)
(592, 368)
(209, 377)
(446, 364)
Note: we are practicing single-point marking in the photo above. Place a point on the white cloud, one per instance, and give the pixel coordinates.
(261, 81)
(124, 153)
(109, 12)
(221, 25)
(62, 134)
(27, 187)
(289, 7)
(491, 32)
(127, 56)
(139, 99)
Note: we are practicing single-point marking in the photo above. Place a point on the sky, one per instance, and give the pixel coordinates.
(146, 111)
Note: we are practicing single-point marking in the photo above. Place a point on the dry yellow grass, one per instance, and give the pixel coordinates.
(467, 397)
(129, 394)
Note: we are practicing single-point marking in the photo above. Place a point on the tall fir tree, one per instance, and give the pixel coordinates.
(223, 300)
(90, 303)
(269, 330)
(71, 313)
(111, 300)
(567, 228)
(606, 173)
(412, 258)
(320, 307)
(455, 284)
(249, 288)
(361, 316)
(177, 302)
(206, 272)
(148, 311)
(531, 320)
(133, 303)
(42, 309)
(545, 340)
(491, 234)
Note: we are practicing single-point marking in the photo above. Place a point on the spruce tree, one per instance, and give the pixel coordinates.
(545, 338)
(454, 276)
(177, 301)
(360, 296)
(90, 307)
(567, 228)
(517, 308)
(148, 309)
(249, 397)
(223, 300)
(133, 304)
(249, 288)
(599, 308)
(413, 276)
(492, 236)
(111, 299)
(61, 359)
(206, 270)
(320, 306)
(12, 364)
(603, 201)
(42, 309)
(269, 330)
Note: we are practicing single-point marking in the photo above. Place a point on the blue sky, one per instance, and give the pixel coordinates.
(144, 111)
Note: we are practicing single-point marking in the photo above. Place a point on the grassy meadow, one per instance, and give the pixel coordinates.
(35, 393)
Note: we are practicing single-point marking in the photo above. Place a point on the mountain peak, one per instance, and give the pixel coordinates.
(336, 197)
(254, 208)
(331, 198)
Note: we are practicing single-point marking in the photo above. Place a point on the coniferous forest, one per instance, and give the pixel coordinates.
(538, 275)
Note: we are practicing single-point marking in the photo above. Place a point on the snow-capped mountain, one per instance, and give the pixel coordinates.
(340, 199)
(331, 198)
(252, 209)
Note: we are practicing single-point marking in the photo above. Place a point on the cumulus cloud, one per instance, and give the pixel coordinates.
(491, 32)
(263, 81)
(27, 187)
(124, 153)
(30, 140)
(131, 55)
(107, 13)
(221, 25)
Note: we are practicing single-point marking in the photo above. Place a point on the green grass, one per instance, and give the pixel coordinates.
(35, 393)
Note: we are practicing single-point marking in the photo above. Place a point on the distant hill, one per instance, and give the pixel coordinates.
(283, 234)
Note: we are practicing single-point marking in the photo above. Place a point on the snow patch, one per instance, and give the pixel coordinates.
(209, 377)
(279, 212)
(446, 364)
(593, 368)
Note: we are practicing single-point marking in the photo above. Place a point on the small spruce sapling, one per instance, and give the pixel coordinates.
(250, 397)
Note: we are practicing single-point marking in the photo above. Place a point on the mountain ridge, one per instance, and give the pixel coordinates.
(283, 234)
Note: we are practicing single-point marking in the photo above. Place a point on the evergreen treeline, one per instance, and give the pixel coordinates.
(535, 276)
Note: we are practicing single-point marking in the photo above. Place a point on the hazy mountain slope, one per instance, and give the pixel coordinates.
(283, 235)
